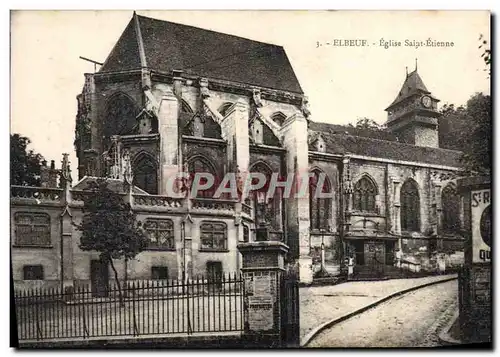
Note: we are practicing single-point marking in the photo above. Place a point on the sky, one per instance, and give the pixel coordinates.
(342, 83)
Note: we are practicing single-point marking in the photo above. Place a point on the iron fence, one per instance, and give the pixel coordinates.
(138, 308)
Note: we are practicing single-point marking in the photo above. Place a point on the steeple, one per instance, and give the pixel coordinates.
(413, 113)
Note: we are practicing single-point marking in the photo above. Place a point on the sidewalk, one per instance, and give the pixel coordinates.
(322, 304)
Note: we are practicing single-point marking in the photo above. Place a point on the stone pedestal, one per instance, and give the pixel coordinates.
(263, 265)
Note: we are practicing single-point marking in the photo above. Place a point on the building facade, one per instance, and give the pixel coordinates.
(172, 98)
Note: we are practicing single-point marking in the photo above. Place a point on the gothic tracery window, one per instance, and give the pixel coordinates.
(266, 209)
(202, 165)
(120, 117)
(319, 207)
(410, 207)
(364, 195)
(146, 174)
(450, 202)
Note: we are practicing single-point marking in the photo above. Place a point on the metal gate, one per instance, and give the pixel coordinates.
(289, 308)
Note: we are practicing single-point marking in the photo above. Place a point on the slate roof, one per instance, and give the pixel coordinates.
(412, 85)
(338, 142)
(113, 184)
(170, 46)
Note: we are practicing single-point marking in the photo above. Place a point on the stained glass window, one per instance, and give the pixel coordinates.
(410, 207)
(364, 195)
(450, 202)
(319, 207)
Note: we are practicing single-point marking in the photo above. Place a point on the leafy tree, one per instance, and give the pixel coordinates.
(486, 55)
(24, 165)
(109, 226)
(468, 129)
(477, 139)
(367, 123)
(453, 123)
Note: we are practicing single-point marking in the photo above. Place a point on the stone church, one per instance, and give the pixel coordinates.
(172, 97)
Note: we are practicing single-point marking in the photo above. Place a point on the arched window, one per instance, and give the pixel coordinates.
(319, 207)
(266, 209)
(200, 165)
(120, 117)
(410, 207)
(146, 174)
(278, 118)
(224, 108)
(246, 234)
(450, 202)
(257, 130)
(364, 195)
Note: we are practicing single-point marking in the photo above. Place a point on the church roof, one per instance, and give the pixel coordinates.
(412, 85)
(114, 185)
(165, 46)
(378, 144)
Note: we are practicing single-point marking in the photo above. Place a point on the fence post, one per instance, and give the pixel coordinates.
(262, 267)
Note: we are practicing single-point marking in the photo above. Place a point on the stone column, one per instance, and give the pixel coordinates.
(263, 264)
(234, 129)
(169, 146)
(294, 133)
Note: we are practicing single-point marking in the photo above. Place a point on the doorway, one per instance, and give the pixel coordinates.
(99, 278)
(374, 253)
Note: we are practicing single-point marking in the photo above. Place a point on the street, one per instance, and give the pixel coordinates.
(410, 320)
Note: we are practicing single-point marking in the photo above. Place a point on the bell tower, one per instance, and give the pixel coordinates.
(413, 115)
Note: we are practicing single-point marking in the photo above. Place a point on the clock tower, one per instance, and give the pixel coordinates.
(413, 115)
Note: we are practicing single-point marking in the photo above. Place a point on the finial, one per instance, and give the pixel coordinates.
(416, 63)
(406, 71)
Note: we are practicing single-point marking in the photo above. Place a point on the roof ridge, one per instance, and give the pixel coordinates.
(396, 142)
(208, 30)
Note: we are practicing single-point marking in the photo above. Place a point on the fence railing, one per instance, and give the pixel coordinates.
(142, 308)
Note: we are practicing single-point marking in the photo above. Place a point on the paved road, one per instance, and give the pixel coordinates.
(410, 320)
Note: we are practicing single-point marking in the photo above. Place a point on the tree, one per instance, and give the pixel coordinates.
(367, 123)
(468, 129)
(486, 55)
(24, 165)
(109, 226)
(476, 141)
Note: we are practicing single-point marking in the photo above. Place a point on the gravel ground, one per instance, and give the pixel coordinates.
(410, 320)
(324, 303)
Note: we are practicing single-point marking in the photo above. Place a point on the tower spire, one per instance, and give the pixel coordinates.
(406, 71)
(416, 63)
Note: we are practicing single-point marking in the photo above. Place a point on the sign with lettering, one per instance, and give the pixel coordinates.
(262, 285)
(260, 317)
(481, 226)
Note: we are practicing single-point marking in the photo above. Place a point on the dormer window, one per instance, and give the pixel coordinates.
(320, 144)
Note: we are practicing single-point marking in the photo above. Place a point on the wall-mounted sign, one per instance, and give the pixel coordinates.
(481, 226)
